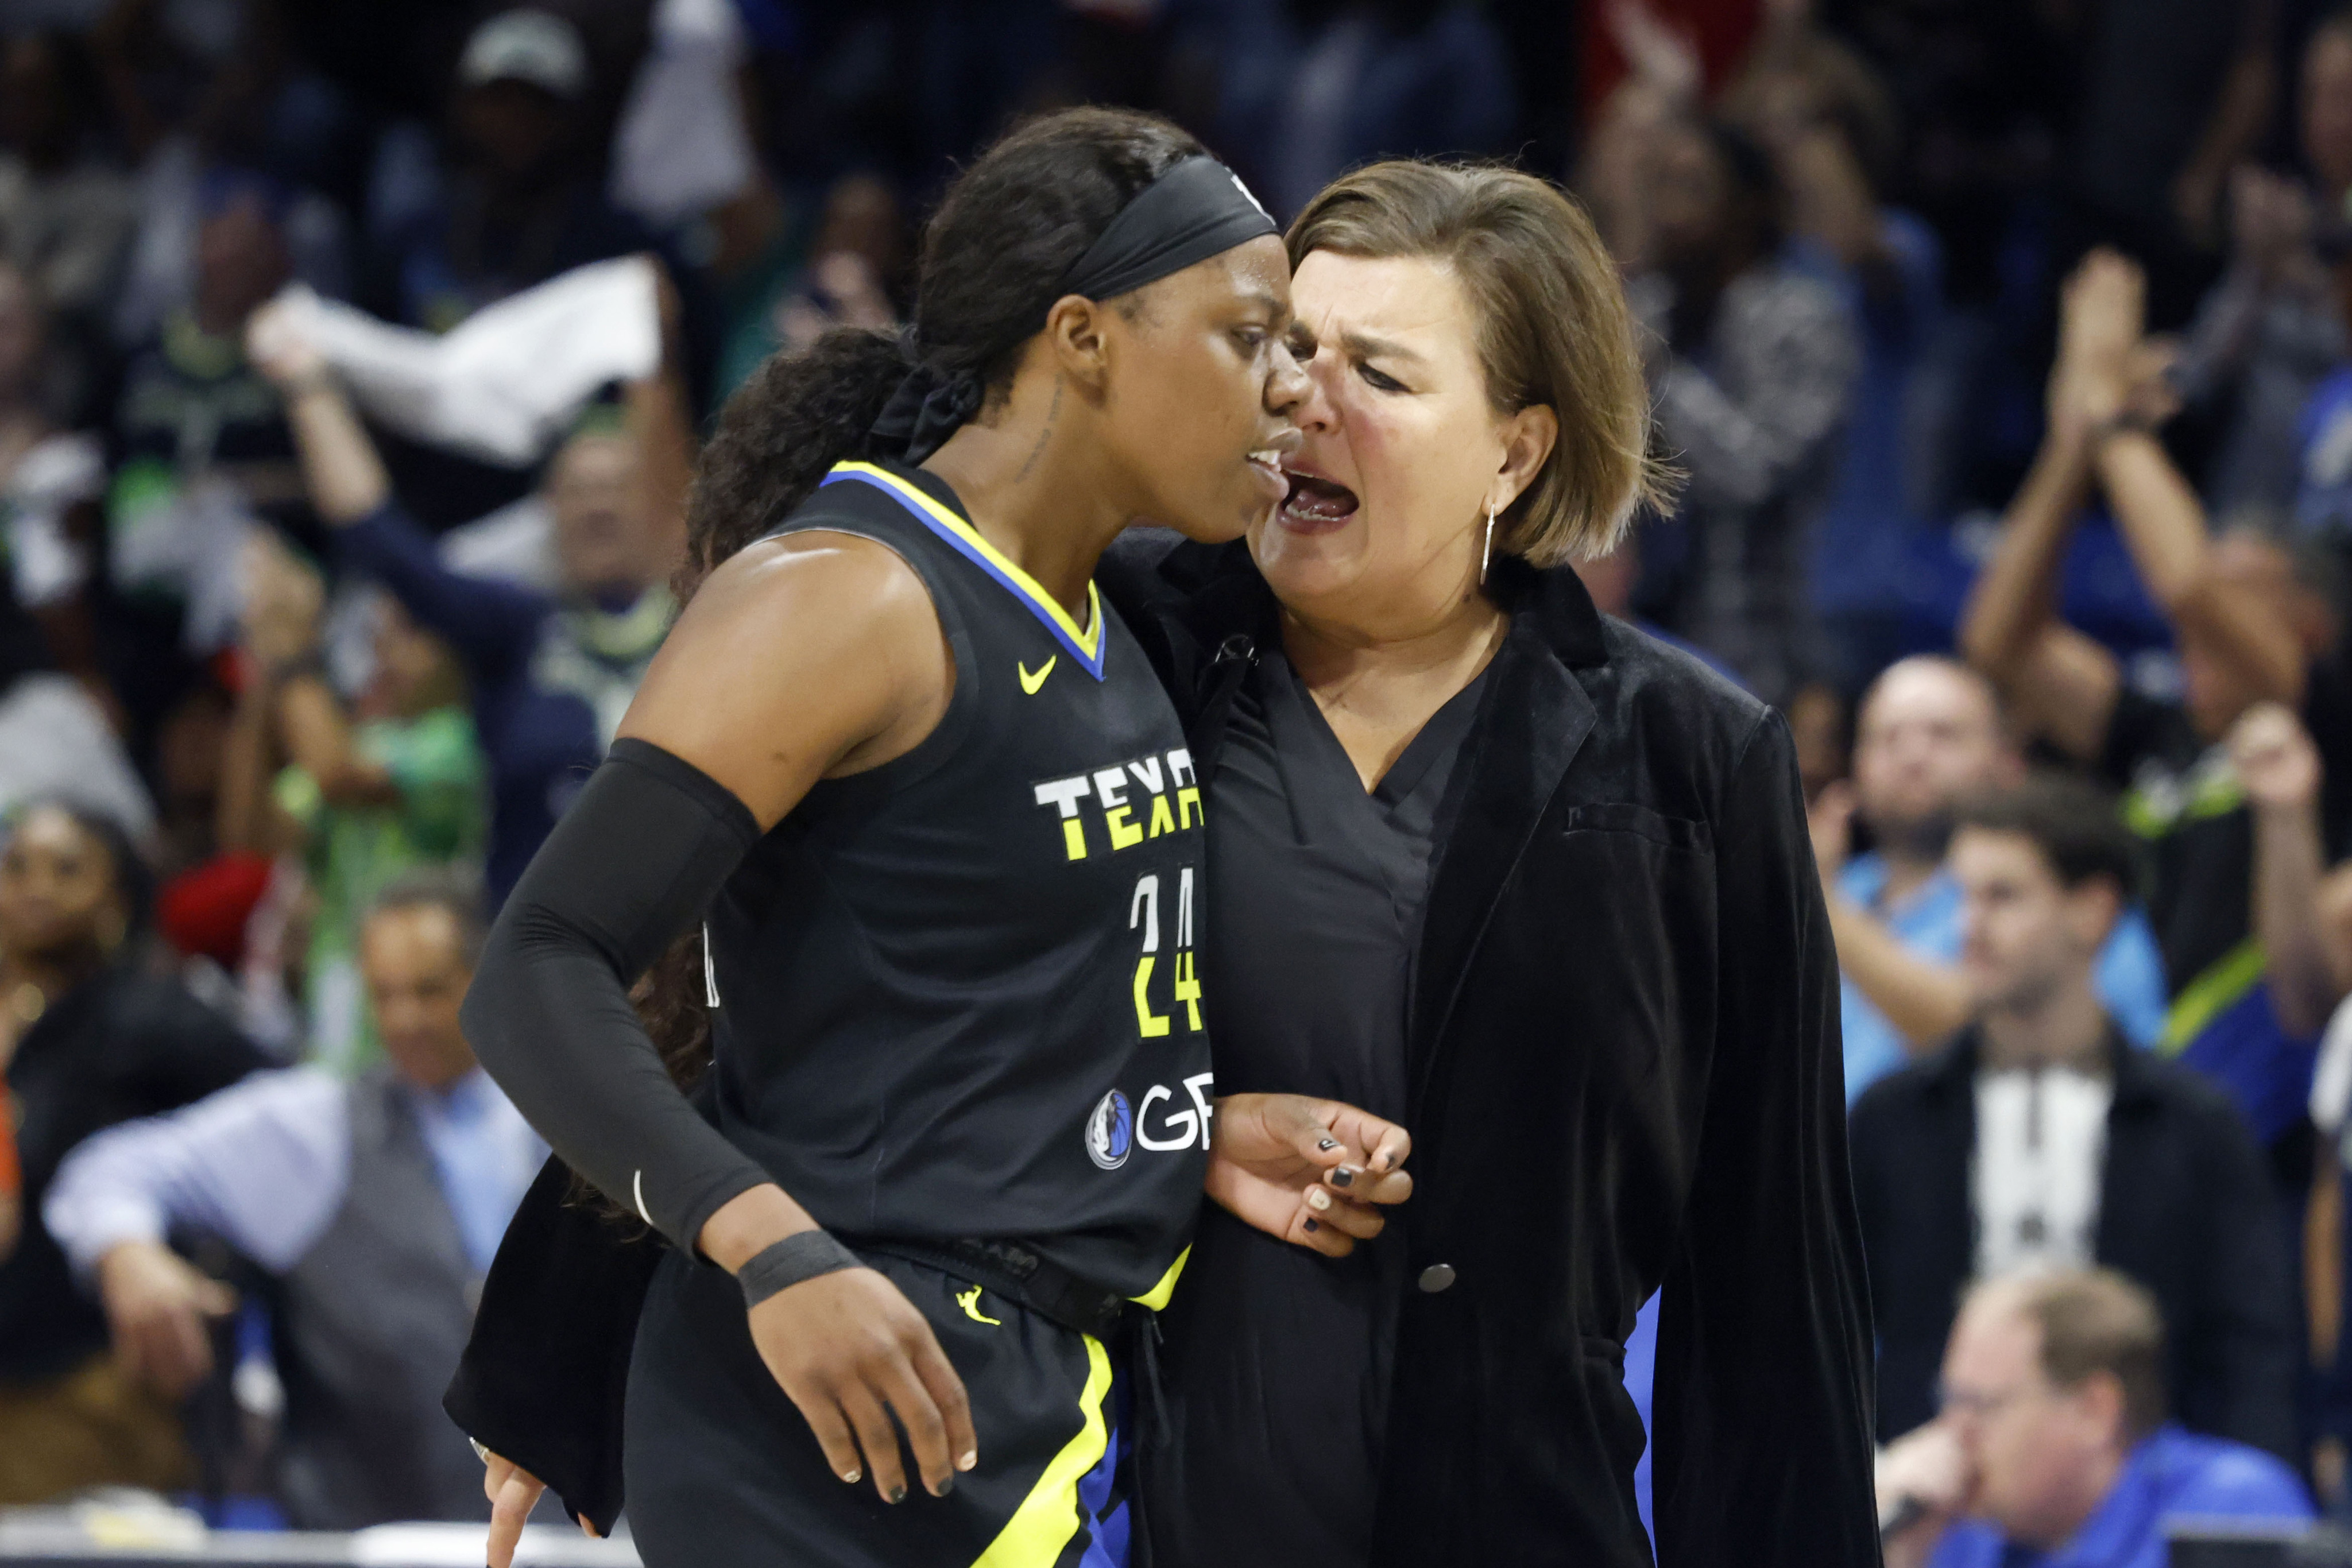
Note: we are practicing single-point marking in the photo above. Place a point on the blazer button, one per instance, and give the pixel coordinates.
(1435, 1278)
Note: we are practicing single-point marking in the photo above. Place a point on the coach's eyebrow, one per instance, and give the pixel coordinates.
(1363, 346)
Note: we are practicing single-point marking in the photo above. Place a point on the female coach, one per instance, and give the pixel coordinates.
(1539, 888)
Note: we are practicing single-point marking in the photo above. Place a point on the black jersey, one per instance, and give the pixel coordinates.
(957, 993)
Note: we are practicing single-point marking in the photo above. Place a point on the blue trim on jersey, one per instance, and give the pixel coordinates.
(1086, 646)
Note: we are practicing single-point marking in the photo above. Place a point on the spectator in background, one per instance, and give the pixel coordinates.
(2172, 94)
(56, 737)
(90, 1037)
(1307, 90)
(363, 795)
(201, 450)
(2054, 1445)
(376, 1203)
(775, 299)
(550, 674)
(1929, 734)
(522, 195)
(2273, 326)
(2041, 1139)
(50, 481)
(1832, 134)
(65, 214)
(1753, 367)
(2247, 630)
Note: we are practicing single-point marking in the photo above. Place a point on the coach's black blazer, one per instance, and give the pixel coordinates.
(1625, 1074)
(2186, 1207)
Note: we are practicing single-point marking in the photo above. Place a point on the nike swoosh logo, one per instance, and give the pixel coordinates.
(1029, 683)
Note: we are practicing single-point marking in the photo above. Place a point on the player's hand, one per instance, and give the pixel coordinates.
(852, 1352)
(159, 1308)
(1313, 1172)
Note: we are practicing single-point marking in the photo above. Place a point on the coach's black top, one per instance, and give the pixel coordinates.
(1317, 886)
(956, 993)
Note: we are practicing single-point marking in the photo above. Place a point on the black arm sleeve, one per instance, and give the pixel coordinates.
(634, 862)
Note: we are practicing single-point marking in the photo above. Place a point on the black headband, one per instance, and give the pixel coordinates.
(1196, 210)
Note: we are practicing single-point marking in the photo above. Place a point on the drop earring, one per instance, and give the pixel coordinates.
(1487, 551)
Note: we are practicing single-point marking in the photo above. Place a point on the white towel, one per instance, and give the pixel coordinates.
(505, 383)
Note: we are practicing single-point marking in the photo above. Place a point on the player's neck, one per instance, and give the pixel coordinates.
(1036, 490)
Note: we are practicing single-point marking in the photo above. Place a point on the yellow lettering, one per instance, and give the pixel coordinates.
(1149, 1024)
(1124, 833)
(1074, 839)
(1188, 990)
(1188, 806)
(1162, 820)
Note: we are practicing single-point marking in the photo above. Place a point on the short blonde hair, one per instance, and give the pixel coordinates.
(1553, 328)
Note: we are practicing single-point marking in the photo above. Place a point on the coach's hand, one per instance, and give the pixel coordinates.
(852, 1352)
(1313, 1172)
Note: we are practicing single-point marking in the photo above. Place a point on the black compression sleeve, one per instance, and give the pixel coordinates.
(635, 860)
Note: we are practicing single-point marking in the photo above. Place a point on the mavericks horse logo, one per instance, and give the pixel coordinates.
(1110, 1131)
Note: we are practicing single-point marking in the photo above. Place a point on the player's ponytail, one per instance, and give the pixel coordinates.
(995, 256)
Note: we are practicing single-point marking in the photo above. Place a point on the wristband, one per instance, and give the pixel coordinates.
(779, 1267)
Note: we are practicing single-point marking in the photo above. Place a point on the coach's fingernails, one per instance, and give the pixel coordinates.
(898, 1494)
(1312, 1225)
(1344, 1176)
(966, 1459)
(1328, 1144)
(1318, 1198)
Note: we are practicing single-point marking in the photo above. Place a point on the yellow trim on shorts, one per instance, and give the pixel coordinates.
(1157, 1297)
(1052, 1514)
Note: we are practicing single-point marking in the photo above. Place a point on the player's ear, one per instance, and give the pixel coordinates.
(1077, 339)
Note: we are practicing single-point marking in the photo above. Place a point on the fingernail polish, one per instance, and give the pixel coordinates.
(1318, 1198)
(1344, 1176)
(966, 1461)
(1312, 1225)
(852, 1477)
(947, 1485)
(1328, 1144)
(898, 1494)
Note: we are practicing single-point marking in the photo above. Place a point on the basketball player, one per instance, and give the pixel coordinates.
(938, 819)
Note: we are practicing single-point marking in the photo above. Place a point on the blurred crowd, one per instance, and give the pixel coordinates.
(352, 359)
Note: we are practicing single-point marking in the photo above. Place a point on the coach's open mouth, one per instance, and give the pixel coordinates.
(1315, 503)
